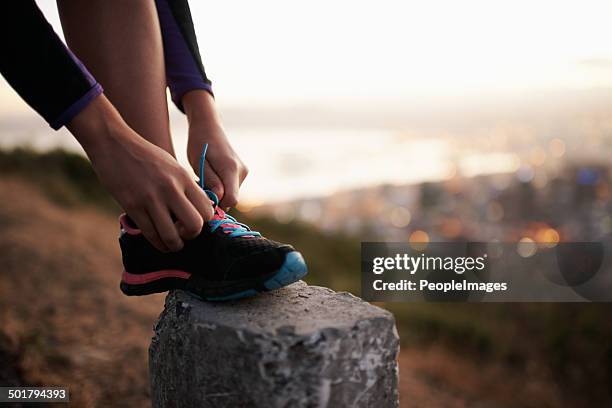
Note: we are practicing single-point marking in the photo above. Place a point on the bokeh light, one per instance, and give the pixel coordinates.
(526, 247)
(419, 240)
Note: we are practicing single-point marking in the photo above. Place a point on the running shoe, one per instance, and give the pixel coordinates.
(226, 261)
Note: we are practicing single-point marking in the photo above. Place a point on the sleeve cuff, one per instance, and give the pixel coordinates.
(76, 107)
(177, 92)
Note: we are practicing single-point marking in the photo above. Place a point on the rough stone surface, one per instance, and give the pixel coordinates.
(300, 346)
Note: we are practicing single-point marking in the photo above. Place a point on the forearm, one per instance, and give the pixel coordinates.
(97, 125)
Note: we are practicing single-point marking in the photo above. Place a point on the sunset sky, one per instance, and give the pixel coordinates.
(278, 59)
(288, 52)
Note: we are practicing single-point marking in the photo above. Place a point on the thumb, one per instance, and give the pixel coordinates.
(212, 181)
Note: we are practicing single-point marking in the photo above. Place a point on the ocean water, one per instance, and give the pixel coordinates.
(289, 163)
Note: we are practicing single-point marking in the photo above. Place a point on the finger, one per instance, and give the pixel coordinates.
(166, 229)
(190, 221)
(200, 201)
(243, 173)
(145, 225)
(231, 183)
(212, 181)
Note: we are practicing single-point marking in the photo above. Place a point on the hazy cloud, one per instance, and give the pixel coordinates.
(596, 62)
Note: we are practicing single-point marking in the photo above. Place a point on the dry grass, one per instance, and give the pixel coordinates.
(63, 320)
(60, 304)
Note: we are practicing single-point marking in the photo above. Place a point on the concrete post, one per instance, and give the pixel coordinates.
(300, 346)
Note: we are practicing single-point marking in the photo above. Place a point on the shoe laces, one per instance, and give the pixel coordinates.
(220, 219)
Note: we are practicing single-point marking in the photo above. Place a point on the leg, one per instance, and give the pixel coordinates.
(120, 43)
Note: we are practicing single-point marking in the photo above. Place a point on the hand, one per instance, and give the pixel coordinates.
(224, 172)
(145, 180)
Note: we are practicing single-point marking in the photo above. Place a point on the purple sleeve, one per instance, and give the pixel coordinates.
(77, 106)
(184, 70)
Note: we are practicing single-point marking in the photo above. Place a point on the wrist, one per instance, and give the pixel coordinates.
(97, 125)
(199, 105)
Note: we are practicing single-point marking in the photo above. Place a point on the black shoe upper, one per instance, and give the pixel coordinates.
(213, 256)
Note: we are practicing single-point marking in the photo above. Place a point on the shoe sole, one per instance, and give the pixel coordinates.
(293, 269)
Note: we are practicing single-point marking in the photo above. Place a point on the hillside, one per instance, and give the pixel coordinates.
(64, 321)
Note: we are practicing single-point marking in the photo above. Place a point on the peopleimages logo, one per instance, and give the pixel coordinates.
(413, 264)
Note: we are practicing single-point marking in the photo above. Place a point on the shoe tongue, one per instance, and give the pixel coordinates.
(219, 213)
(220, 216)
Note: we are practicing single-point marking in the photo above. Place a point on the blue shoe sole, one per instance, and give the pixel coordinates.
(293, 269)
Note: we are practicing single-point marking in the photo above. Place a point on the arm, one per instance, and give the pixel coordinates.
(40, 68)
(191, 92)
(145, 180)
